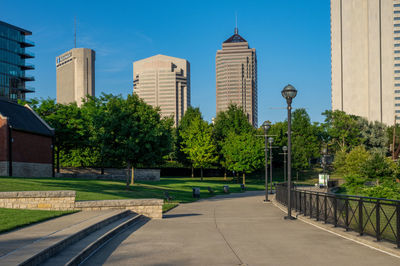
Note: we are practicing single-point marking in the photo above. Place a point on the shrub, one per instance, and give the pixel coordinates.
(378, 167)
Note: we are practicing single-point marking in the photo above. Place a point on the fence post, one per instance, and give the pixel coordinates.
(346, 204)
(325, 208)
(378, 220)
(317, 199)
(360, 216)
(301, 209)
(311, 210)
(305, 203)
(335, 211)
(398, 224)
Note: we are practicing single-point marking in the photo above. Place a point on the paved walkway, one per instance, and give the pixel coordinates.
(233, 230)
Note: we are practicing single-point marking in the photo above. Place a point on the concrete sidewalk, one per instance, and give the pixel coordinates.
(237, 229)
(28, 241)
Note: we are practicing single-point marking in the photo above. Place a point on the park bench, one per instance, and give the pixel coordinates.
(210, 190)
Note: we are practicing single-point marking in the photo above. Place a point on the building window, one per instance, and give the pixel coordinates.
(397, 111)
(397, 45)
(397, 98)
(397, 65)
(397, 104)
(396, 5)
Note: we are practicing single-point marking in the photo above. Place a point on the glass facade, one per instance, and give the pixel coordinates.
(12, 62)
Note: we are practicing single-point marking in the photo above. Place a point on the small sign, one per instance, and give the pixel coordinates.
(323, 180)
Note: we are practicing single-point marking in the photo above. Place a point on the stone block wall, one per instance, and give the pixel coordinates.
(32, 169)
(149, 207)
(42, 200)
(4, 168)
(109, 173)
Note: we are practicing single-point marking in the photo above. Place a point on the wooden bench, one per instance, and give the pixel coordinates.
(210, 190)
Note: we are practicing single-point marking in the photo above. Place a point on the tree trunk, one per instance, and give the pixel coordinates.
(225, 174)
(192, 171)
(133, 176)
(244, 178)
(127, 175)
(201, 174)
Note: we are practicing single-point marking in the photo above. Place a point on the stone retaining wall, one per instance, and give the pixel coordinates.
(65, 200)
(109, 173)
(42, 200)
(149, 207)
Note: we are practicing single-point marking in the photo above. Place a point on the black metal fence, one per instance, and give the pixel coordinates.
(372, 216)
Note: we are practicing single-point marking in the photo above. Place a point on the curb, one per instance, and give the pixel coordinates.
(364, 240)
(56, 248)
(89, 250)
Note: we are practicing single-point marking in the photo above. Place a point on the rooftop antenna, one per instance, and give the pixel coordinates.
(75, 31)
(236, 28)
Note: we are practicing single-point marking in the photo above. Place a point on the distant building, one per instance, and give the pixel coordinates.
(365, 43)
(26, 142)
(12, 62)
(236, 76)
(163, 81)
(75, 75)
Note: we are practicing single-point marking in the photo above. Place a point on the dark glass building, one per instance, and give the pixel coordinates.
(13, 68)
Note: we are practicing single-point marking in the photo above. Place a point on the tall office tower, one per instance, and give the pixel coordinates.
(365, 43)
(236, 69)
(12, 62)
(163, 81)
(75, 75)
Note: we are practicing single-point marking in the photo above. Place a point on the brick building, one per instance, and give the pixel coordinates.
(26, 142)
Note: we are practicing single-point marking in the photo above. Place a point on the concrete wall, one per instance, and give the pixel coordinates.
(65, 200)
(4, 168)
(43, 200)
(149, 207)
(110, 173)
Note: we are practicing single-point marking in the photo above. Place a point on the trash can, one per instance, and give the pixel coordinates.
(196, 192)
(226, 189)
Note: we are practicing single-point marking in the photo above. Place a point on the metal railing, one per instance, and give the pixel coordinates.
(377, 217)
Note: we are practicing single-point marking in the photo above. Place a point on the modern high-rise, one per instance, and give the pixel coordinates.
(75, 75)
(236, 76)
(13, 67)
(163, 81)
(365, 43)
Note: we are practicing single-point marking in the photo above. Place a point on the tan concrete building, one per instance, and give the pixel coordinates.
(75, 75)
(365, 40)
(236, 76)
(163, 81)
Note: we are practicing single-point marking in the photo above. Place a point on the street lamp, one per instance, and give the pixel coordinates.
(266, 126)
(289, 93)
(284, 149)
(270, 140)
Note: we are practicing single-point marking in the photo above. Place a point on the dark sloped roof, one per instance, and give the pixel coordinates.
(235, 38)
(22, 118)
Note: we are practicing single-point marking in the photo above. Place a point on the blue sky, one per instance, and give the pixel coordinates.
(292, 39)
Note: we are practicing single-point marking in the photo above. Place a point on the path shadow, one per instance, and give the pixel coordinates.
(169, 216)
(103, 253)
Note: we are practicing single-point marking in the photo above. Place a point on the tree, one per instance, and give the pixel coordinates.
(233, 120)
(374, 135)
(190, 115)
(198, 144)
(306, 144)
(342, 130)
(243, 152)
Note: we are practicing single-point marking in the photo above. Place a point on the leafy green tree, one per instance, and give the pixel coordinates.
(355, 161)
(342, 130)
(378, 167)
(233, 120)
(198, 144)
(243, 152)
(190, 115)
(374, 135)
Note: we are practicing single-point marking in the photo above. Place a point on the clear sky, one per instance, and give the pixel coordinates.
(292, 39)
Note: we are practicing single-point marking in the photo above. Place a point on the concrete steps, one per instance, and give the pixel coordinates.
(72, 244)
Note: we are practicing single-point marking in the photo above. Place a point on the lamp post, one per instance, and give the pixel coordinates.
(289, 93)
(284, 149)
(270, 140)
(266, 126)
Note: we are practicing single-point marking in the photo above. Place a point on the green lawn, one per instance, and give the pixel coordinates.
(180, 189)
(12, 218)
